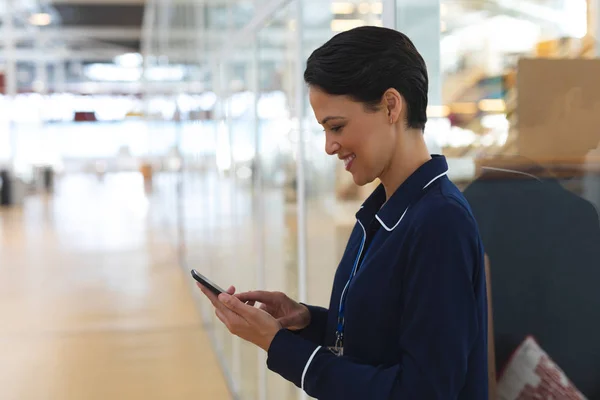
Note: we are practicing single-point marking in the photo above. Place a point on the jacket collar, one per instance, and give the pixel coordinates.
(390, 213)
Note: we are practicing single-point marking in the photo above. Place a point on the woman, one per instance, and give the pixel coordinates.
(408, 312)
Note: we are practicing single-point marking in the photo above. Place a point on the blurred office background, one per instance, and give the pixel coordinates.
(142, 138)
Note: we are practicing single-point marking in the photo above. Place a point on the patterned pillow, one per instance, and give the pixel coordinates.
(532, 375)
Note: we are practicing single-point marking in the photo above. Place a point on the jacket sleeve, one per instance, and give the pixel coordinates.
(438, 329)
(315, 331)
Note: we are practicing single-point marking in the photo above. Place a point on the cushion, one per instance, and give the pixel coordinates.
(531, 375)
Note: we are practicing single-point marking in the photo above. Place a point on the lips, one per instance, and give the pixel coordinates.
(348, 161)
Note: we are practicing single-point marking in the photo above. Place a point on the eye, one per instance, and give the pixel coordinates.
(336, 129)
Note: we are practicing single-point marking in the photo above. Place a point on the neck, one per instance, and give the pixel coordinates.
(411, 153)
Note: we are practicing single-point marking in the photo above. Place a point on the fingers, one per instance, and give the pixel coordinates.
(233, 313)
(221, 317)
(260, 296)
(213, 298)
(236, 305)
(229, 309)
(227, 303)
(228, 318)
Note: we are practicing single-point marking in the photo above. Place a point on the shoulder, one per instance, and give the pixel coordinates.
(445, 237)
(444, 210)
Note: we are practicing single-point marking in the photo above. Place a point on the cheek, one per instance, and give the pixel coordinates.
(379, 150)
(369, 140)
(360, 145)
(374, 147)
(361, 137)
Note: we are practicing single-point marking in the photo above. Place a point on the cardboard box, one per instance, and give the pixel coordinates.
(558, 109)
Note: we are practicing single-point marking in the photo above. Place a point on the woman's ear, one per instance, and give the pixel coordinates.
(393, 105)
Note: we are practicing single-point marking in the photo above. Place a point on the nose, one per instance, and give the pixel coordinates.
(331, 146)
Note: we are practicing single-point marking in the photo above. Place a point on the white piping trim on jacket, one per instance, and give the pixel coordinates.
(307, 365)
(398, 223)
(394, 227)
(435, 179)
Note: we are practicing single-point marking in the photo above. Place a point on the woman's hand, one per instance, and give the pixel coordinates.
(290, 314)
(243, 320)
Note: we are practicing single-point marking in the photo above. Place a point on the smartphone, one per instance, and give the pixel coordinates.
(207, 283)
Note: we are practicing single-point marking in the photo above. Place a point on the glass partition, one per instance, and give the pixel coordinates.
(332, 197)
(277, 86)
(480, 75)
(246, 222)
(520, 113)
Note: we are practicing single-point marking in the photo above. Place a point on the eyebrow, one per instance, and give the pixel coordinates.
(326, 119)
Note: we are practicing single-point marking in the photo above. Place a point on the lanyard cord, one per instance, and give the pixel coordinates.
(339, 334)
(357, 263)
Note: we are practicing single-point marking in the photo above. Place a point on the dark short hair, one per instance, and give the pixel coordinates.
(364, 62)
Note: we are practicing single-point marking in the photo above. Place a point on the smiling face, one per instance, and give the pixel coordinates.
(363, 139)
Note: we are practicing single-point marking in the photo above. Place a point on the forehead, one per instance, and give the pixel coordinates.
(325, 104)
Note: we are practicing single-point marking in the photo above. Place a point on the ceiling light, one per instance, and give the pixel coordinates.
(342, 8)
(40, 19)
(129, 60)
(377, 8)
(111, 72)
(364, 8)
(341, 25)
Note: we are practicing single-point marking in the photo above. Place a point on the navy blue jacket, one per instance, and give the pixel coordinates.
(416, 309)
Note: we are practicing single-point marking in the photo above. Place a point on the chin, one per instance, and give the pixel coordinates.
(362, 180)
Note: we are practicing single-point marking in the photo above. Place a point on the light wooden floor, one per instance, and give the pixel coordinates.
(93, 304)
